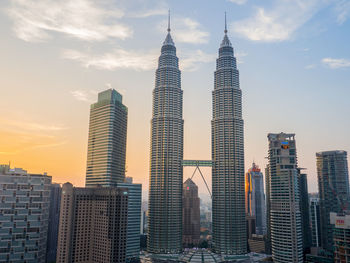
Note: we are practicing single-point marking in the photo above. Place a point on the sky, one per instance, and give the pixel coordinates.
(294, 63)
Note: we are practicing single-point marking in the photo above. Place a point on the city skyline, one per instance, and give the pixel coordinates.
(49, 127)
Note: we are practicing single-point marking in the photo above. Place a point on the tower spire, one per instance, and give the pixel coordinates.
(169, 20)
(225, 25)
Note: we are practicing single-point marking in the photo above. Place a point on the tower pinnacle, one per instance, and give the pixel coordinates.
(225, 25)
(169, 20)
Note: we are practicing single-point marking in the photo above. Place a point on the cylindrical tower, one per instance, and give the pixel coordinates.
(165, 194)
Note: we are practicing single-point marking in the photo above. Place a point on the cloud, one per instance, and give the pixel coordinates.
(116, 59)
(32, 126)
(238, 2)
(86, 96)
(342, 9)
(191, 60)
(240, 55)
(186, 30)
(149, 12)
(311, 66)
(36, 20)
(335, 63)
(280, 22)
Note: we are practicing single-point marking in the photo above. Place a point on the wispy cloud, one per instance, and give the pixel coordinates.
(342, 9)
(84, 95)
(187, 31)
(36, 20)
(116, 59)
(149, 12)
(335, 63)
(310, 66)
(280, 22)
(191, 60)
(240, 55)
(32, 126)
(238, 2)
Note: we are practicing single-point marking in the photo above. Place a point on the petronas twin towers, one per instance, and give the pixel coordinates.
(166, 171)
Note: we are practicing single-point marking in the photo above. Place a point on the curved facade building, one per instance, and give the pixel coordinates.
(165, 194)
(229, 222)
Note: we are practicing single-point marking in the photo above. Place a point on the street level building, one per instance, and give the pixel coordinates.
(24, 215)
(93, 225)
(341, 237)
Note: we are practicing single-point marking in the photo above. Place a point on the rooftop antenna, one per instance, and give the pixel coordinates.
(169, 20)
(225, 24)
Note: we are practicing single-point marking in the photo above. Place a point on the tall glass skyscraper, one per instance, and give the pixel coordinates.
(165, 193)
(229, 222)
(255, 198)
(107, 140)
(333, 188)
(283, 198)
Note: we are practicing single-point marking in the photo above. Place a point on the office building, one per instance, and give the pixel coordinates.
(304, 210)
(107, 140)
(283, 197)
(93, 224)
(134, 219)
(315, 222)
(228, 205)
(333, 186)
(257, 243)
(24, 215)
(191, 214)
(165, 191)
(341, 237)
(54, 217)
(255, 198)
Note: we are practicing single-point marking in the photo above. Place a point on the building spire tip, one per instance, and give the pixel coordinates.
(169, 20)
(225, 31)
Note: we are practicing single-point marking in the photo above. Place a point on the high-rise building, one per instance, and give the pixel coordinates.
(165, 192)
(191, 214)
(229, 223)
(333, 186)
(315, 222)
(54, 219)
(134, 219)
(93, 224)
(24, 215)
(283, 195)
(304, 210)
(107, 140)
(255, 198)
(341, 237)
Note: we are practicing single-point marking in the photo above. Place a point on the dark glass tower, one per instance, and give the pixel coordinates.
(165, 193)
(107, 140)
(333, 188)
(229, 225)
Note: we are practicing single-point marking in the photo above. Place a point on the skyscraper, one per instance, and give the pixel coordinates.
(284, 199)
(229, 223)
(93, 224)
(315, 222)
(165, 192)
(255, 198)
(333, 187)
(107, 140)
(191, 213)
(24, 215)
(54, 219)
(304, 210)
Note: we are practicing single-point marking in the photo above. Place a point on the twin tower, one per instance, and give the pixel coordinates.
(166, 170)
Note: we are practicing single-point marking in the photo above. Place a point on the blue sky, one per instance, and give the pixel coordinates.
(294, 62)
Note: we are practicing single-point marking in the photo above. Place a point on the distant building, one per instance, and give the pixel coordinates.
(255, 198)
(191, 214)
(251, 225)
(93, 224)
(54, 217)
(305, 211)
(341, 237)
(257, 243)
(24, 215)
(315, 222)
(134, 219)
(107, 140)
(333, 185)
(283, 196)
(319, 255)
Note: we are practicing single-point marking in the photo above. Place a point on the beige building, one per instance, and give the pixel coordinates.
(93, 225)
